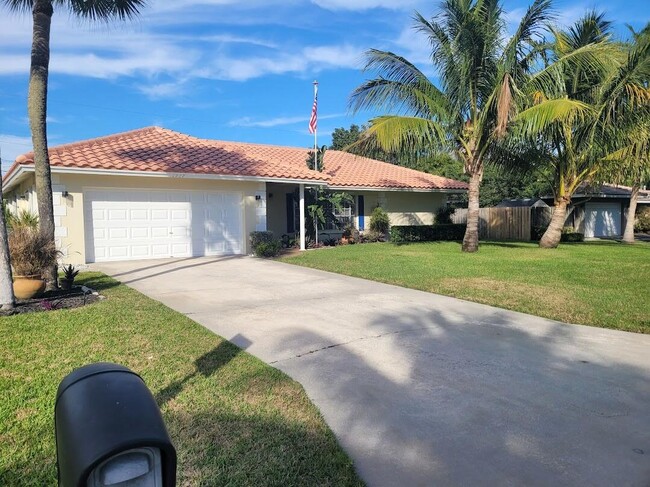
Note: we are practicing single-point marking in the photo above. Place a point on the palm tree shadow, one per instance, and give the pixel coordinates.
(206, 365)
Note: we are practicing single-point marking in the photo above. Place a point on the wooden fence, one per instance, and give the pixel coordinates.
(507, 223)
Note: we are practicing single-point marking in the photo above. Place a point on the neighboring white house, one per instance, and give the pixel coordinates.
(155, 193)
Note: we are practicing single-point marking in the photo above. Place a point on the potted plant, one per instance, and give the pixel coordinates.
(31, 253)
(69, 273)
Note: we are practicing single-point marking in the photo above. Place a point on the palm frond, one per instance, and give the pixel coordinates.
(395, 134)
(105, 10)
(540, 117)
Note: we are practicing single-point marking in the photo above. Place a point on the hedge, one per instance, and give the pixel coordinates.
(427, 233)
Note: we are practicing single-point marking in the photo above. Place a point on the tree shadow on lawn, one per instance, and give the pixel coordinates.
(205, 365)
(434, 399)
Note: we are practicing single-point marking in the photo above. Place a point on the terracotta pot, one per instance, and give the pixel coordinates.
(27, 287)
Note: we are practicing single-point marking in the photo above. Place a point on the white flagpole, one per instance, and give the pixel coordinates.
(316, 154)
(316, 129)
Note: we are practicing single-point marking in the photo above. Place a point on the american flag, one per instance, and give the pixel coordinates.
(313, 120)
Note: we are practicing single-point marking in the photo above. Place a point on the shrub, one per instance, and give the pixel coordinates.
(268, 249)
(351, 234)
(427, 233)
(379, 221)
(330, 242)
(260, 237)
(572, 237)
(23, 218)
(370, 237)
(443, 215)
(31, 252)
(642, 221)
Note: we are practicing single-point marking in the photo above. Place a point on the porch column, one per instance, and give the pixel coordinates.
(302, 217)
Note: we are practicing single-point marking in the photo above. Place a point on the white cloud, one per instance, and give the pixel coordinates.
(274, 122)
(312, 59)
(157, 91)
(12, 146)
(366, 4)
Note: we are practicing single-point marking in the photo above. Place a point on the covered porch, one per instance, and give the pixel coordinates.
(287, 207)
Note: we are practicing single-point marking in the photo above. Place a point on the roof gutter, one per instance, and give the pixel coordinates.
(172, 175)
(409, 190)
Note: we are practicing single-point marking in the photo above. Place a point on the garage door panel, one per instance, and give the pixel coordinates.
(602, 220)
(143, 224)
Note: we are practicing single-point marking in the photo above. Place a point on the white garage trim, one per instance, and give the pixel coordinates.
(129, 224)
(603, 219)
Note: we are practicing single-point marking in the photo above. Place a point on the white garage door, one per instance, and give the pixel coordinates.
(148, 224)
(602, 219)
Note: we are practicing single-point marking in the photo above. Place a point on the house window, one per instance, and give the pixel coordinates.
(338, 218)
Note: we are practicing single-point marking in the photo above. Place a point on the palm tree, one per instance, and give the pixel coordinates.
(42, 11)
(7, 299)
(590, 90)
(631, 164)
(481, 72)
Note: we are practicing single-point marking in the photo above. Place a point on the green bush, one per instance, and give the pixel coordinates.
(371, 237)
(427, 233)
(443, 215)
(264, 245)
(261, 237)
(642, 221)
(268, 249)
(379, 221)
(572, 237)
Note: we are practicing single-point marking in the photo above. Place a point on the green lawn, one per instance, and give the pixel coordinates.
(233, 419)
(598, 284)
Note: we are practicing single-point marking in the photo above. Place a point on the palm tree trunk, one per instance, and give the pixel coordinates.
(470, 241)
(7, 299)
(553, 234)
(37, 110)
(628, 234)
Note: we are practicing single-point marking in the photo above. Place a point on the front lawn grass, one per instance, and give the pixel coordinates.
(233, 419)
(605, 284)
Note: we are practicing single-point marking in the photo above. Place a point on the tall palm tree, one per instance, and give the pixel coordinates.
(590, 90)
(481, 71)
(42, 11)
(7, 299)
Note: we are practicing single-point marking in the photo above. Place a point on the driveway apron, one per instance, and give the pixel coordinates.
(422, 389)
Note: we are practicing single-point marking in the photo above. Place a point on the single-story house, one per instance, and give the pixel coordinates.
(155, 193)
(601, 211)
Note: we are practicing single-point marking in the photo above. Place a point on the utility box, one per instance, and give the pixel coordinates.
(109, 431)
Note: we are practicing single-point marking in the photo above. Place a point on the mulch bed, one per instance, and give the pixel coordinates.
(52, 300)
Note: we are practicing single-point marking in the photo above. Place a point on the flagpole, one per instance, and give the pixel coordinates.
(316, 156)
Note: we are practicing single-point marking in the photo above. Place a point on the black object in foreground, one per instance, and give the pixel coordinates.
(109, 431)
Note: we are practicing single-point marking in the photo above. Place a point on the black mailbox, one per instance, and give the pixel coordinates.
(109, 431)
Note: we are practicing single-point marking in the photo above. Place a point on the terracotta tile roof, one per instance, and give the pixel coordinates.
(160, 150)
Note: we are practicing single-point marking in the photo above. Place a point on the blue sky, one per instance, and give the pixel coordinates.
(222, 69)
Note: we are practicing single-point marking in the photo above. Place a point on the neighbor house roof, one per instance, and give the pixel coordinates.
(608, 191)
(159, 150)
(521, 202)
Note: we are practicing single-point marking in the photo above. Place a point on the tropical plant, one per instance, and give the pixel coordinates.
(379, 221)
(24, 218)
(70, 272)
(630, 159)
(32, 252)
(316, 165)
(42, 11)
(584, 103)
(481, 70)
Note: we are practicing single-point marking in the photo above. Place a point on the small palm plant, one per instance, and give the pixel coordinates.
(69, 273)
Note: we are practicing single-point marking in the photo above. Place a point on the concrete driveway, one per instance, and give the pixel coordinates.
(422, 389)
